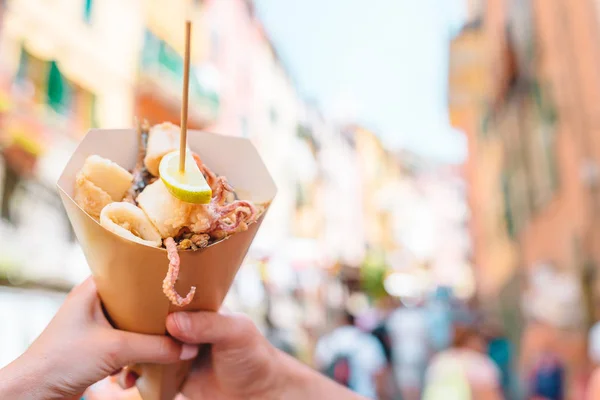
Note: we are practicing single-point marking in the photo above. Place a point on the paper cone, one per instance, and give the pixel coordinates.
(129, 275)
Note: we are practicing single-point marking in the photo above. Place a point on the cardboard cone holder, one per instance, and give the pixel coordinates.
(129, 275)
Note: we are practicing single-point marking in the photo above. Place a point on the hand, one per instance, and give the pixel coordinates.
(79, 348)
(242, 363)
(111, 388)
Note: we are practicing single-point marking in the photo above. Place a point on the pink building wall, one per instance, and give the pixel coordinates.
(231, 29)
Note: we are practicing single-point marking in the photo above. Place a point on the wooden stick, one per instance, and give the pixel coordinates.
(184, 106)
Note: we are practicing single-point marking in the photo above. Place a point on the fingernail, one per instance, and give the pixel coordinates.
(182, 320)
(188, 351)
(127, 379)
(131, 378)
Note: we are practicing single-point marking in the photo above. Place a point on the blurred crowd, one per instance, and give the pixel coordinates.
(444, 348)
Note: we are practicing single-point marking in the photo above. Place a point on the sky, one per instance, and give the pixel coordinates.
(382, 63)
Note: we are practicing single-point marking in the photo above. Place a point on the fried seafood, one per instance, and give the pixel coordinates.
(167, 213)
(90, 197)
(99, 183)
(170, 214)
(130, 222)
(107, 175)
(149, 214)
(172, 274)
(186, 240)
(210, 176)
(162, 139)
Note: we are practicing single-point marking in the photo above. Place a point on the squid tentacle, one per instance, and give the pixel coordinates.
(172, 275)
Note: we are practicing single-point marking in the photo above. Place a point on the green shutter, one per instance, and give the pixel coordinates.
(169, 59)
(508, 210)
(58, 89)
(150, 50)
(87, 11)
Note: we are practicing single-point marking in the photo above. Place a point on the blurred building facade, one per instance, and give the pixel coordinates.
(75, 58)
(377, 172)
(524, 88)
(65, 68)
(470, 86)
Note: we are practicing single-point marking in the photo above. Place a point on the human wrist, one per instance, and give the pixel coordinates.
(297, 381)
(24, 379)
(289, 375)
(34, 376)
(9, 388)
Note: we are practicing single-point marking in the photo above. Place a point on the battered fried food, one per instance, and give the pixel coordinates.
(130, 222)
(150, 214)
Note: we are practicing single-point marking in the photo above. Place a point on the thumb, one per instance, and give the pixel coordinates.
(209, 327)
(133, 348)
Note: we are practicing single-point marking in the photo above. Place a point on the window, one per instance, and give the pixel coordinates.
(47, 83)
(169, 59)
(150, 50)
(508, 211)
(542, 146)
(33, 71)
(158, 56)
(87, 11)
(59, 91)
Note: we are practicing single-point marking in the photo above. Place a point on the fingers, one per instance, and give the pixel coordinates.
(209, 327)
(83, 298)
(127, 378)
(133, 348)
(85, 289)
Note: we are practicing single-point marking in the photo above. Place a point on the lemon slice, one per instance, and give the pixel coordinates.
(189, 186)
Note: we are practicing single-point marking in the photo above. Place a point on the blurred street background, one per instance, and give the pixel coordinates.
(437, 163)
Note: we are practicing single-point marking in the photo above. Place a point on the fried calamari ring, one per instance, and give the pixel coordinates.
(130, 222)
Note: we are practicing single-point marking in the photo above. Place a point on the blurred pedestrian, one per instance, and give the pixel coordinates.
(387, 388)
(351, 357)
(593, 388)
(500, 350)
(408, 327)
(464, 371)
(544, 367)
(594, 345)
(439, 313)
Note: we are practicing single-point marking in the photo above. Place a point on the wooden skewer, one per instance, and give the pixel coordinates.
(184, 106)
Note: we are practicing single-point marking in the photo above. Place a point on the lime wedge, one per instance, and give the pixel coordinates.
(190, 185)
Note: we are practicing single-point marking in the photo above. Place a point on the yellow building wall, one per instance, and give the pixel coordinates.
(101, 56)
